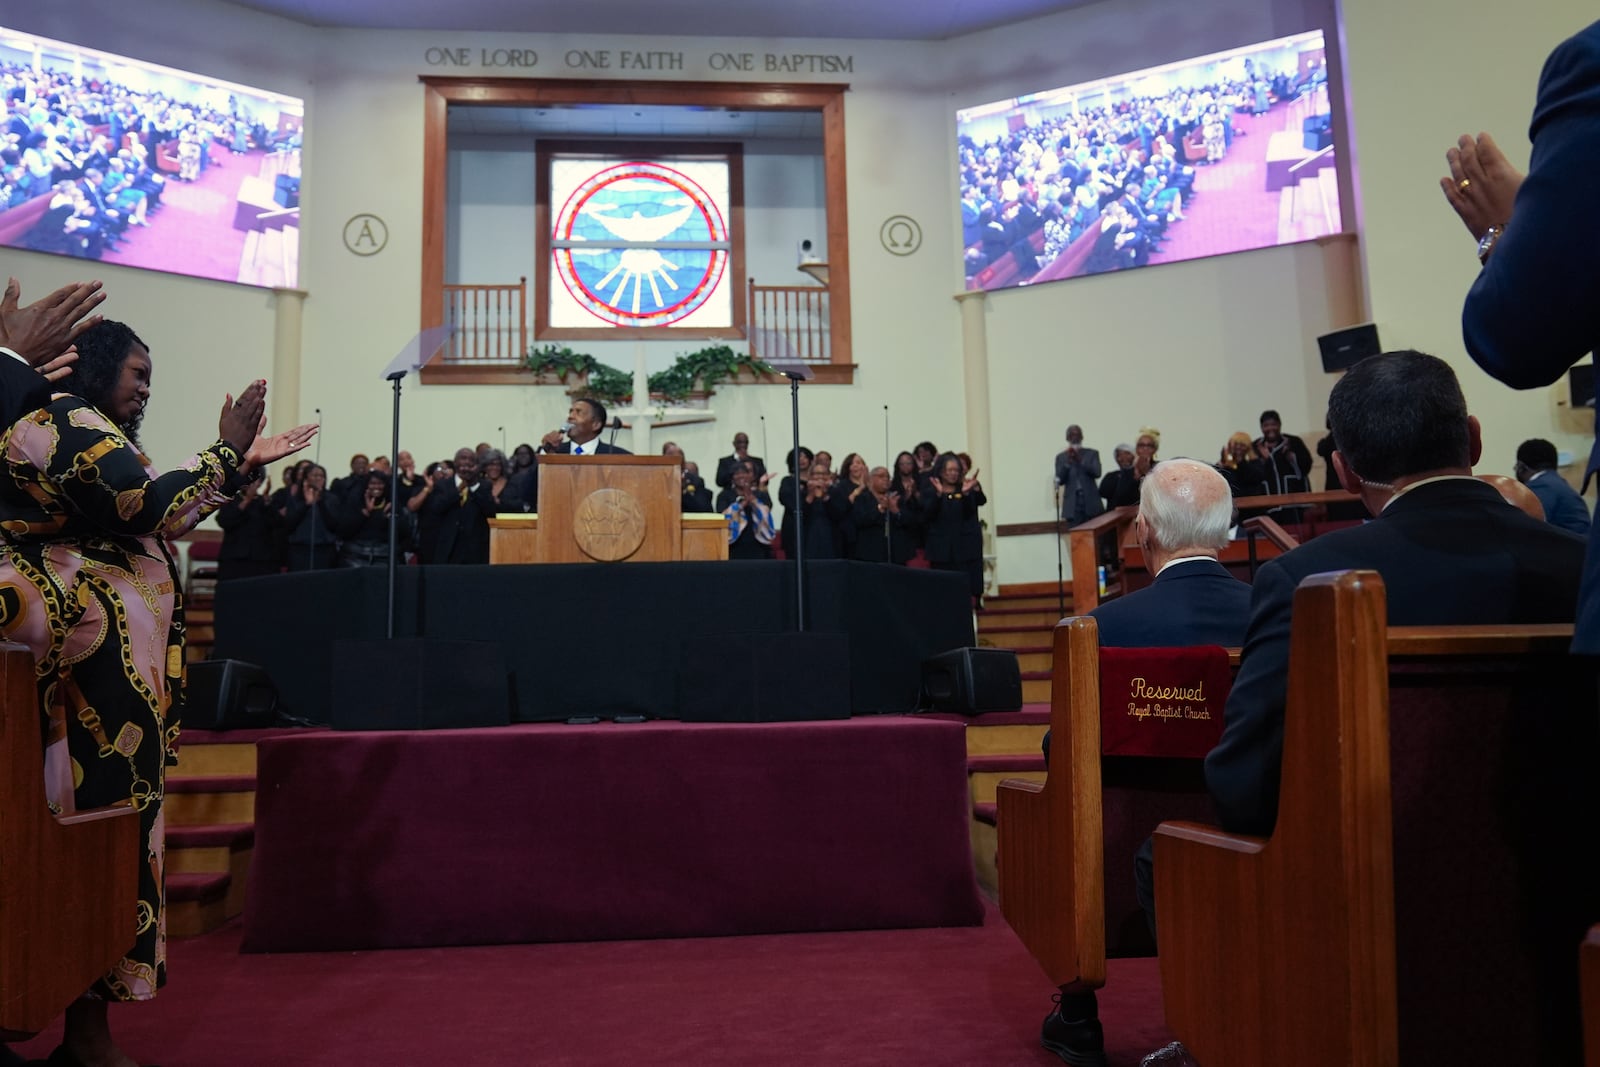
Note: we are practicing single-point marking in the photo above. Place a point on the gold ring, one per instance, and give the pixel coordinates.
(1463, 183)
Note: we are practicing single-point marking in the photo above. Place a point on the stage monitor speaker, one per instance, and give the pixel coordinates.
(745, 677)
(972, 681)
(1343, 349)
(1580, 385)
(417, 683)
(1317, 132)
(228, 694)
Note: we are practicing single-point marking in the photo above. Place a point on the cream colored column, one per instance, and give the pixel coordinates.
(975, 374)
(283, 387)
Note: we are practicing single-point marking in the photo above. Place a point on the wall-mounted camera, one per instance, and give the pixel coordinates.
(807, 252)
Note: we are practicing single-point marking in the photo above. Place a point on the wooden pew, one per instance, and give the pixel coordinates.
(1066, 845)
(68, 886)
(1422, 890)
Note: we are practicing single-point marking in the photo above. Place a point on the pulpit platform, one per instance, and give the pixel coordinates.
(555, 832)
(596, 639)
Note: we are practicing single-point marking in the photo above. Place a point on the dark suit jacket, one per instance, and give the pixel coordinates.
(1548, 258)
(726, 464)
(22, 390)
(1197, 603)
(1451, 552)
(462, 533)
(1563, 506)
(951, 530)
(601, 448)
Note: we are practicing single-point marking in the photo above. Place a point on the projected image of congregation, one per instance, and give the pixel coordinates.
(115, 160)
(1200, 158)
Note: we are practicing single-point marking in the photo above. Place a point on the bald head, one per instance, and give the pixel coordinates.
(1185, 508)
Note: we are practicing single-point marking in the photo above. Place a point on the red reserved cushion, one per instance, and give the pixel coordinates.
(1162, 701)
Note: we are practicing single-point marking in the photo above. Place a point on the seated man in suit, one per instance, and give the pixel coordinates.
(1449, 548)
(1536, 468)
(741, 454)
(1185, 509)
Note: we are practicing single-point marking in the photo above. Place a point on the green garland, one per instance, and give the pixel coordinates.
(705, 368)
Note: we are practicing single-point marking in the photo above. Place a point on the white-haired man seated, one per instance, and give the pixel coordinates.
(1185, 511)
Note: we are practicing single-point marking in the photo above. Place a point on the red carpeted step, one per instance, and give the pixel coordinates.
(986, 813)
(208, 888)
(994, 764)
(239, 737)
(1030, 715)
(228, 835)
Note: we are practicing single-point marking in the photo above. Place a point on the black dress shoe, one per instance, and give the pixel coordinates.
(1079, 1042)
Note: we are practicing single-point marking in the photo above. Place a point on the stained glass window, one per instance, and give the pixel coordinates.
(640, 243)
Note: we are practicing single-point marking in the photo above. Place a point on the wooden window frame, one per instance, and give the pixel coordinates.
(439, 93)
(730, 151)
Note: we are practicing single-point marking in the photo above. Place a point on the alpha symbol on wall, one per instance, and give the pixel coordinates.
(365, 235)
(900, 235)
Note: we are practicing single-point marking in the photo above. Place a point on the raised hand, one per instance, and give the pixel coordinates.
(45, 328)
(242, 418)
(1482, 186)
(264, 450)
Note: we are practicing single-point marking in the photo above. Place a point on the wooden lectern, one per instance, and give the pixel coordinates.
(608, 509)
(69, 887)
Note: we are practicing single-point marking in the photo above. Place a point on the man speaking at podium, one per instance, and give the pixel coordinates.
(585, 419)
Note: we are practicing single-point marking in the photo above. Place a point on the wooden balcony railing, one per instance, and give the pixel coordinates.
(491, 322)
(789, 323)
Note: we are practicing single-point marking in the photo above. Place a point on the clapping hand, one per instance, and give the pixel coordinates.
(44, 330)
(1482, 186)
(59, 367)
(264, 450)
(970, 482)
(241, 419)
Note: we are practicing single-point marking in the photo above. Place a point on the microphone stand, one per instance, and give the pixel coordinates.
(394, 494)
(888, 536)
(800, 506)
(313, 560)
(1061, 593)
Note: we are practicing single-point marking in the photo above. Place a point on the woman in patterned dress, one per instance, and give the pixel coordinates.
(88, 582)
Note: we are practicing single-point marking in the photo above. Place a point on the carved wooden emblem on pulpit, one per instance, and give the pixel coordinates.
(608, 525)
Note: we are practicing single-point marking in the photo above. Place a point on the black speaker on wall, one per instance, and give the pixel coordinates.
(419, 683)
(1580, 385)
(1343, 349)
(972, 681)
(228, 694)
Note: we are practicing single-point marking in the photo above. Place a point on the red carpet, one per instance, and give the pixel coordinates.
(967, 996)
(193, 232)
(1233, 211)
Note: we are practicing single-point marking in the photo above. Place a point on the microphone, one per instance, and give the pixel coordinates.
(616, 424)
(502, 439)
(764, 451)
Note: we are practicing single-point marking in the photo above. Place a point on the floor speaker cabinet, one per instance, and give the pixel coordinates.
(419, 684)
(1317, 132)
(972, 681)
(789, 677)
(229, 694)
